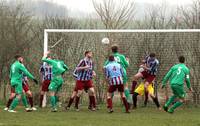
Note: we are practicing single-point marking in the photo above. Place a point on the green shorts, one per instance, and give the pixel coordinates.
(56, 84)
(178, 91)
(18, 88)
(125, 78)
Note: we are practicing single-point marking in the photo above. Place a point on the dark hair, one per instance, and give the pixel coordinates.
(111, 58)
(114, 48)
(17, 56)
(181, 59)
(86, 52)
(152, 55)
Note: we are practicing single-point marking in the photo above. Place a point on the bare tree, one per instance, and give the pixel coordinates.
(113, 15)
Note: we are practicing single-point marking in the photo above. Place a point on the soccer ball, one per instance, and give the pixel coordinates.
(105, 41)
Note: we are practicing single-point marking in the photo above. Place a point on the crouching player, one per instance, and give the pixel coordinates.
(114, 74)
(58, 69)
(177, 75)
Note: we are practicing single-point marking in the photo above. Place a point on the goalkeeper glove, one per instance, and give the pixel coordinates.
(36, 82)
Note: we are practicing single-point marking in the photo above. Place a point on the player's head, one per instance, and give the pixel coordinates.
(111, 58)
(19, 58)
(181, 59)
(114, 48)
(88, 54)
(152, 55)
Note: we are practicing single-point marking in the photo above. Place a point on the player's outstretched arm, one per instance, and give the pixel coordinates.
(166, 78)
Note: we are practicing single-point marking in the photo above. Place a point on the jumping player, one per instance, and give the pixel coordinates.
(148, 74)
(84, 74)
(58, 69)
(124, 62)
(16, 74)
(46, 76)
(140, 90)
(114, 74)
(177, 75)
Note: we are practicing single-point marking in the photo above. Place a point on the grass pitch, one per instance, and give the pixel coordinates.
(149, 116)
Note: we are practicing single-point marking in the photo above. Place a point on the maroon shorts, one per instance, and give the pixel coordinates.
(148, 77)
(24, 86)
(113, 88)
(45, 85)
(80, 85)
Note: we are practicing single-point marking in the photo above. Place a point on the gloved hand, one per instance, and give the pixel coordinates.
(36, 82)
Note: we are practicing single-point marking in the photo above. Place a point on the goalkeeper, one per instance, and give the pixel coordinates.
(58, 69)
(177, 75)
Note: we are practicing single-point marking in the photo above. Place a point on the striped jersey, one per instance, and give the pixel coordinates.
(46, 71)
(114, 73)
(85, 74)
(152, 64)
(24, 79)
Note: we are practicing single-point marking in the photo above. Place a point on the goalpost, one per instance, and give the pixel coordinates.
(167, 43)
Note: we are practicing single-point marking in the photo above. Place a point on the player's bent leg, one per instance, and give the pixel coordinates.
(79, 94)
(14, 103)
(109, 102)
(135, 94)
(124, 101)
(12, 96)
(176, 105)
(155, 100)
(135, 79)
(30, 99)
(92, 98)
(74, 94)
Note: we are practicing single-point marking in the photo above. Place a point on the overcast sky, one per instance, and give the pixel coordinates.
(86, 5)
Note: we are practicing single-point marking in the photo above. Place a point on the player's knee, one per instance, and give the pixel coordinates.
(79, 93)
(182, 100)
(91, 91)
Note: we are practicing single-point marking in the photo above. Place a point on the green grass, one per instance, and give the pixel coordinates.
(140, 117)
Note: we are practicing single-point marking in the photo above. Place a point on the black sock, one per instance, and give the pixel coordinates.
(135, 99)
(156, 101)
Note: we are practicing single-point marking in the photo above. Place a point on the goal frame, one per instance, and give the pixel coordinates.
(46, 31)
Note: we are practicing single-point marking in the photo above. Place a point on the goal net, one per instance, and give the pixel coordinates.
(70, 45)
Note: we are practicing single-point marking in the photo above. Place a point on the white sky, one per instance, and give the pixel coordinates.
(86, 5)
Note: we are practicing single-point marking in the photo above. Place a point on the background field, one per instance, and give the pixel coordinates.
(140, 117)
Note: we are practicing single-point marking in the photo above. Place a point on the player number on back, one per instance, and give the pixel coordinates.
(114, 68)
(179, 70)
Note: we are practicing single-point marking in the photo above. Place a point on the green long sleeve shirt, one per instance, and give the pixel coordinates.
(16, 73)
(177, 75)
(58, 66)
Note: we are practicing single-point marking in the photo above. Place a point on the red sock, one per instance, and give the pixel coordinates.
(70, 101)
(93, 101)
(30, 100)
(77, 102)
(125, 103)
(134, 84)
(41, 99)
(9, 102)
(109, 101)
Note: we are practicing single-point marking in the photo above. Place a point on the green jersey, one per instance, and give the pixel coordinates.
(120, 59)
(177, 75)
(58, 66)
(17, 71)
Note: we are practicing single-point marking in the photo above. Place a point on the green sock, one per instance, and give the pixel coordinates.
(53, 101)
(24, 101)
(171, 99)
(177, 104)
(128, 96)
(113, 94)
(14, 103)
